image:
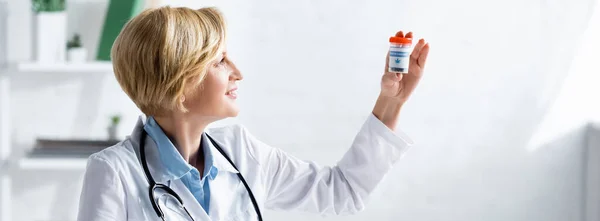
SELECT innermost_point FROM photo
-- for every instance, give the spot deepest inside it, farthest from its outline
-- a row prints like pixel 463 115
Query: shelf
pixel 53 163
pixel 87 67
pixel 62 154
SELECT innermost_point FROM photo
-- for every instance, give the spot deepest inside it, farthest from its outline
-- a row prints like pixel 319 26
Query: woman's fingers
pixel 417 50
pixel 390 78
pixel 409 35
pixel 423 55
pixel 400 34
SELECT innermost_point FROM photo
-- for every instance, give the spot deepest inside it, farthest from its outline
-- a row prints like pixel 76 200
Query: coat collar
pixel 157 167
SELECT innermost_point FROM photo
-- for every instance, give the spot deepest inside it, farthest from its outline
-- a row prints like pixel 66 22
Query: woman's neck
pixel 186 135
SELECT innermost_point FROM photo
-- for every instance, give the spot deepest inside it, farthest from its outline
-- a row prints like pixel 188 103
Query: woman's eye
pixel 221 62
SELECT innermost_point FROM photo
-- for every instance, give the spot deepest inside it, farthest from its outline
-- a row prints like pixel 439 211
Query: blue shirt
pixel 179 168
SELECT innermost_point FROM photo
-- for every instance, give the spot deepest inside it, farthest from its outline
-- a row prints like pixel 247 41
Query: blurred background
pixel 504 120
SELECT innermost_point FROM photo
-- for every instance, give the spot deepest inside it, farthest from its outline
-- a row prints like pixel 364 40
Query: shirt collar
pixel 176 166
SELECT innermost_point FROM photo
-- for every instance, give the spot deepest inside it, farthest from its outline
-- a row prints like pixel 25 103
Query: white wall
pixel 312 70
pixel 3 30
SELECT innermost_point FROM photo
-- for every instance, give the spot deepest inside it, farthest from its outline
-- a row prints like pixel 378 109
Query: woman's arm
pixel 102 197
pixel 292 183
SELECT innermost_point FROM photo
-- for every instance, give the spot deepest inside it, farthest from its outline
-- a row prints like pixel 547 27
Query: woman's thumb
pixel 392 77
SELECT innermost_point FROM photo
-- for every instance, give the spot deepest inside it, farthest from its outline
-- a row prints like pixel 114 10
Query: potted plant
pixel 114 125
pixel 75 51
pixel 50 30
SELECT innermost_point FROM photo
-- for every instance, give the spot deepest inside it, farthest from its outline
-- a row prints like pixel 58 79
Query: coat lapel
pixel 160 175
pixel 229 198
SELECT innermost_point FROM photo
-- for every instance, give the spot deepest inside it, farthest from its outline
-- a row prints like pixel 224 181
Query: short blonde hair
pixel 160 51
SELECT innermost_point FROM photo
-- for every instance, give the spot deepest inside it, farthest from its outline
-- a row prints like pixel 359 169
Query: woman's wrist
pixel 387 110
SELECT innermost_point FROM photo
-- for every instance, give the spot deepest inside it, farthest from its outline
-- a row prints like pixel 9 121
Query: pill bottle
pixel 400 49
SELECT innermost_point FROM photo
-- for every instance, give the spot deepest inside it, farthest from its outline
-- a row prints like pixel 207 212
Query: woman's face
pixel 215 97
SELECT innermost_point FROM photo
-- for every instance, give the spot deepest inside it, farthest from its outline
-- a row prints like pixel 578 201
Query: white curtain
pixel 578 101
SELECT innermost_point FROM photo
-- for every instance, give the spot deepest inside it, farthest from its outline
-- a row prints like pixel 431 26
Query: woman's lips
pixel 232 93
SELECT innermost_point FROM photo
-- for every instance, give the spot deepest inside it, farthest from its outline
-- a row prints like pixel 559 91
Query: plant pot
pixel 112 132
pixel 50 36
pixel 77 55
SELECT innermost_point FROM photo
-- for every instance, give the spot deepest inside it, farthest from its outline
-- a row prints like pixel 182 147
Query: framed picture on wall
pixel 117 14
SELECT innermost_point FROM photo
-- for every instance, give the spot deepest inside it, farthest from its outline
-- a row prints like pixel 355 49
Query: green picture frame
pixel 119 12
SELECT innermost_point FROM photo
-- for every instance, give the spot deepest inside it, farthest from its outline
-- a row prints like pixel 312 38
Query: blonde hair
pixel 161 51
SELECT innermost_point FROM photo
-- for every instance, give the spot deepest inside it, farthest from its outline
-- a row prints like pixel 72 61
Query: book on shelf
pixel 69 147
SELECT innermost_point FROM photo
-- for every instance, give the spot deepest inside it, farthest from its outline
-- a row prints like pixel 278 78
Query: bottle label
pixel 399 59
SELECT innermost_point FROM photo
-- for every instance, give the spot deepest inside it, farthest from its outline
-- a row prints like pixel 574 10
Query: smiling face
pixel 172 61
pixel 214 97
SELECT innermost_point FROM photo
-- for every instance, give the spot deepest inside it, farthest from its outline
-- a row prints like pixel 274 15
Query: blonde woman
pixel 173 64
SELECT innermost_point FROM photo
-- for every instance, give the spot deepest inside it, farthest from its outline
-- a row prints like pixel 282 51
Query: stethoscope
pixel 154 186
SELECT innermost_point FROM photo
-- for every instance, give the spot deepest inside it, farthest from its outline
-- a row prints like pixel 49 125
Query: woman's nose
pixel 235 73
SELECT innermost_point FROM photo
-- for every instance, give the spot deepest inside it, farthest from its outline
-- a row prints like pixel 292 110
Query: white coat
pixel 115 187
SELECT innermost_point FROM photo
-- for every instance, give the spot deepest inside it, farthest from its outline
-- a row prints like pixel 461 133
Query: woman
pixel 173 64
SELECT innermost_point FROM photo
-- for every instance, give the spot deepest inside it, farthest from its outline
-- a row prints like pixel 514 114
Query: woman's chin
pixel 233 111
